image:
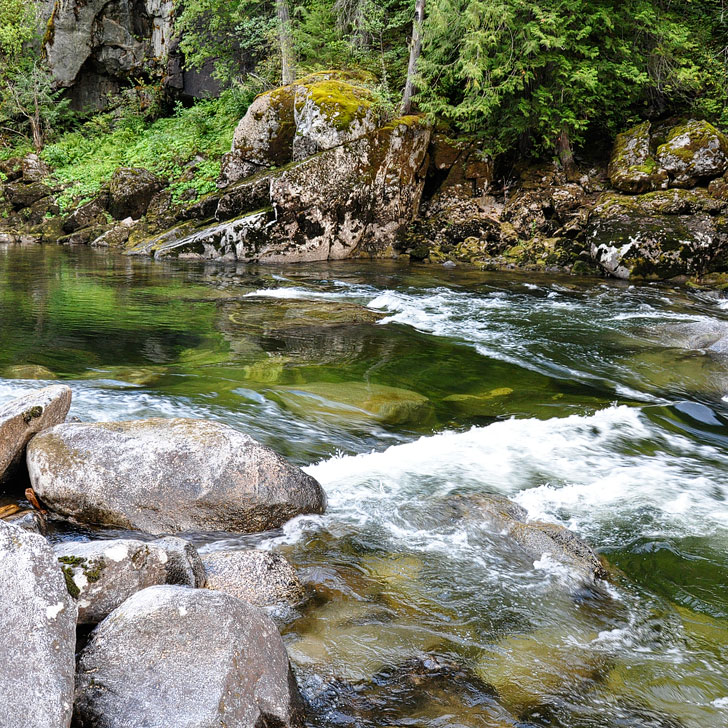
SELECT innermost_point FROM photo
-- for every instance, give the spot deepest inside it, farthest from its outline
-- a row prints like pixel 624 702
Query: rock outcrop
pixel 261 578
pixel 176 656
pixel 94 46
pixel 168 476
pixel 131 190
pixel 101 575
pixel 632 168
pixel 351 200
pixel 26 416
pixel 38 623
pixel 660 234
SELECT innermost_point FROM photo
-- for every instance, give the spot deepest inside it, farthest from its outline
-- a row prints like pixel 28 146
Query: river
pixel 602 406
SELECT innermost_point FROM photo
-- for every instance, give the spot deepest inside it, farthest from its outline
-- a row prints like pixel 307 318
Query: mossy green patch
pixel 340 102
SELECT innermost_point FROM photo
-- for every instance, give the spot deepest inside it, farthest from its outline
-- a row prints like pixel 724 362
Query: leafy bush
pixel 185 147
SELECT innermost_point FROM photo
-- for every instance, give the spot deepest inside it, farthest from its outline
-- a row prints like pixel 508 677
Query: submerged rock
pixel 535 537
pixel 358 401
pixel 101 575
pixel 176 656
pixel 167 476
pixel 24 417
pixel 38 624
pixel 260 578
pixel 28 371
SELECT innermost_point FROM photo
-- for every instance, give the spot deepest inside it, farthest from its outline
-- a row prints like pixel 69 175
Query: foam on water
pixel 585 472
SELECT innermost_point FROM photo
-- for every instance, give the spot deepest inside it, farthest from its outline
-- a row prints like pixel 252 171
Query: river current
pixel 601 406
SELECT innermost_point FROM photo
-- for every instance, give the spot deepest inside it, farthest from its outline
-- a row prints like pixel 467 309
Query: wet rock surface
pixel 38 622
pixel 260 578
pixel 168 476
pixel 22 418
pixel 220 662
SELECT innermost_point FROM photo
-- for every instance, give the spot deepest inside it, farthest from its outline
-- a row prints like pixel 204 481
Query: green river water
pixel 598 405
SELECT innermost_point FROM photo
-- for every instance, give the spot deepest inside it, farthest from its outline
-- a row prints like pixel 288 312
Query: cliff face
pixel 95 46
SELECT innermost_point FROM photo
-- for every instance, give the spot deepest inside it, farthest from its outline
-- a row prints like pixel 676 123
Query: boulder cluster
pixel 179 637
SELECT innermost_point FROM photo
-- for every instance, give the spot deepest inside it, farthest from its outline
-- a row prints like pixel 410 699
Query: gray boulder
pixel 659 235
pixel 25 416
pixel 38 624
pixel 131 189
pixel 101 575
pixel 167 476
pixel 190 658
pixel 260 578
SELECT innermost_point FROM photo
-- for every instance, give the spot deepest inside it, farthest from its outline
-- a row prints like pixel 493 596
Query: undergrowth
pixel 184 148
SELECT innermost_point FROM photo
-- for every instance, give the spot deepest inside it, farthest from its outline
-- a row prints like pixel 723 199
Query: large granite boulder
pixel 24 417
pixel 167 476
pixel 353 200
pixel 693 152
pixel 293 122
pixel 329 112
pixel 632 167
pixel 261 578
pixel 131 189
pixel 38 624
pixel 659 235
pixel 101 575
pixel 190 658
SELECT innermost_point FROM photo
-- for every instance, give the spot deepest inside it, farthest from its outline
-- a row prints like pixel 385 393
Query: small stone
pixel 260 578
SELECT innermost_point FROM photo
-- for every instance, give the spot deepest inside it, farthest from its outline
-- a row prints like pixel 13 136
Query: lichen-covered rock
pixel 168 476
pixel 264 136
pixel 25 416
pixel 19 194
pixel 35 169
pixel 261 578
pixel 131 189
pixel 329 113
pixel 293 122
pixel 659 235
pixel 632 167
pixel 38 624
pixel 692 152
pixel 186 657
pixel 101 575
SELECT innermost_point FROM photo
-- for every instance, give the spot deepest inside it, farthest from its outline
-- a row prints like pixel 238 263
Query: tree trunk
pixel 566 156
pixel 288 63
pixel 415 51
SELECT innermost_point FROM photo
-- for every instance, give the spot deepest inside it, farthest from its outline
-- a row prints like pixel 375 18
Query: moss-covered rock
pixel 692 152
pixel 632 168
pixel 131 189
pixel 291 123
pixel 659 235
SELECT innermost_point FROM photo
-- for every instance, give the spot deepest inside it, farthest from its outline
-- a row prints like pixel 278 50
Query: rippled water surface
pixel 599 406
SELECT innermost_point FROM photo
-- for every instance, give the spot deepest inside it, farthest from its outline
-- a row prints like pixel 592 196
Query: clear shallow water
pixel 595 405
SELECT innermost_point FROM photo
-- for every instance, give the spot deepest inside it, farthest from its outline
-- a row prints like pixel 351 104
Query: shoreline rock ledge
pixel 168 476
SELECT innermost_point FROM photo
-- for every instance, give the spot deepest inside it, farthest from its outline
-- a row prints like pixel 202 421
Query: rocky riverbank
pixel 316 173
pixel 177 635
